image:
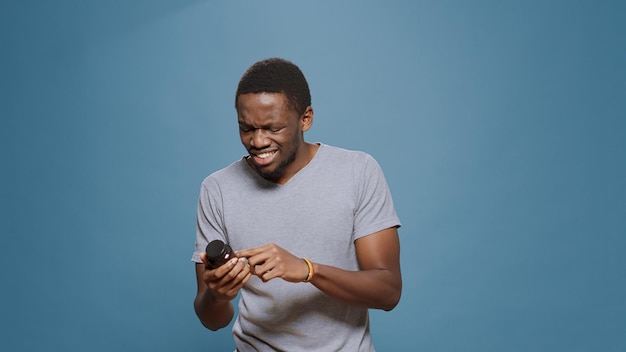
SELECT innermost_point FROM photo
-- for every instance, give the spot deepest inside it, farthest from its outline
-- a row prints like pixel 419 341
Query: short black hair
pixel 276 75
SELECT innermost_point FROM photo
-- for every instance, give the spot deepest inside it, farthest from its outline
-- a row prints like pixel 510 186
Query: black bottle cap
pixel 216 249
pixel 218 253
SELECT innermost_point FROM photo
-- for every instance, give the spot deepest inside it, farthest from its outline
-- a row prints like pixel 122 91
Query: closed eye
pixel 245 129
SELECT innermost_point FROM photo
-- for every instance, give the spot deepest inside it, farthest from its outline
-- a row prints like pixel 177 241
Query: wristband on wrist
pixel 311 271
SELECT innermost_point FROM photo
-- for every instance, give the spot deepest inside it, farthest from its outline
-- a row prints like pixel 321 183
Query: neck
pixel 304 157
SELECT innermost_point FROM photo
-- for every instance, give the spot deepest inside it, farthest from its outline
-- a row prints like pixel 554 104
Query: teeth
pixel 264 155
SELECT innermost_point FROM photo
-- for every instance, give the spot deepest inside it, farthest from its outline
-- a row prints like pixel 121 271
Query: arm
pixel 216 289
pixel 377 284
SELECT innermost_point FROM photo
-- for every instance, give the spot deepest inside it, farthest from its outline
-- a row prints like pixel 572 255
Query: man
pixel 313 226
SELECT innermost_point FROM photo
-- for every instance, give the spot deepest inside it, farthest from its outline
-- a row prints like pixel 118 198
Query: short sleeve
pixel 209 221
pixel 375 210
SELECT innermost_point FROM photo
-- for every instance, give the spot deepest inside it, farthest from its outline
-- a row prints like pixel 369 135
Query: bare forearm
pixel 214 315
pixel 376 288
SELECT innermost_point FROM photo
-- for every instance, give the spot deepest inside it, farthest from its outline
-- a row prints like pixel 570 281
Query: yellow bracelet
pixel 311 271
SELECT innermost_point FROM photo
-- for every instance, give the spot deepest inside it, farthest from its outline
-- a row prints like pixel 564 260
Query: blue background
pixel 499 124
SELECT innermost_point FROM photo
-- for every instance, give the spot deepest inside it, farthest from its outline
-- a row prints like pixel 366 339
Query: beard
pixel 279 171
pixel 275 174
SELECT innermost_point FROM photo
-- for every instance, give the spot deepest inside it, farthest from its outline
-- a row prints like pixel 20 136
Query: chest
pixel 307 221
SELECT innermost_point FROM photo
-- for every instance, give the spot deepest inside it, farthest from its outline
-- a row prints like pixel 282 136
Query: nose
pixel 259 139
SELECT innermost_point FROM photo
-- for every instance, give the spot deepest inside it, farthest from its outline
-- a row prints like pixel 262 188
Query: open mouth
pixel 264 158
pixel 265 155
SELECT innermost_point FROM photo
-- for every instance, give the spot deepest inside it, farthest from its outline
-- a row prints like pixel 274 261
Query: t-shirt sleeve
pixel 209 221
pixel 375 210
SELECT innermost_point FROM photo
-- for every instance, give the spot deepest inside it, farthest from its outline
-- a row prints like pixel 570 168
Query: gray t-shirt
pixel 338 197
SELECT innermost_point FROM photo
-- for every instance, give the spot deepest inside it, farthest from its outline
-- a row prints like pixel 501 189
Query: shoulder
pixel 231 174
pixel 344 166
pixel 344 156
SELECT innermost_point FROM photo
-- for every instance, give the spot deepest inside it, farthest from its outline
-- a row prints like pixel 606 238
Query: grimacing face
pixel 272 133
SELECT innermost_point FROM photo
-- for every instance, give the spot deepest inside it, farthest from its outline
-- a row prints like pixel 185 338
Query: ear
pixel 307 119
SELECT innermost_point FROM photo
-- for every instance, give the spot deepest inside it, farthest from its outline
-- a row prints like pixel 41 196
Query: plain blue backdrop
pixel 500 126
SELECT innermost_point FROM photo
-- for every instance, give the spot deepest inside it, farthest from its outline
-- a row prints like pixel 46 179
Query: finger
pixel 252 251
pixel 224 285
pixel 237 273
pixel 246 253
pixel 218 275
pixel 270 269
pixel 233 286
pixel 259 263
pixel 266 276
pixel 258 267
pixel 242 279
pixel 235 289
pixel 244 263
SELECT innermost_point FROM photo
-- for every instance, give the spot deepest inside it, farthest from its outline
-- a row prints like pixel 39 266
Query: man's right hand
pixel 225 281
